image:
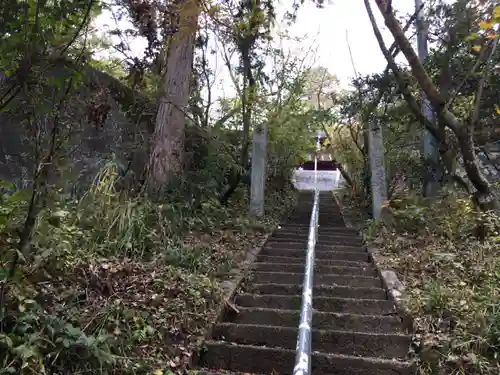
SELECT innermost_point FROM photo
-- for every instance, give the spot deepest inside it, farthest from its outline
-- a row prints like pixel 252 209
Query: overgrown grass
pixel 117 284
pixel 446 253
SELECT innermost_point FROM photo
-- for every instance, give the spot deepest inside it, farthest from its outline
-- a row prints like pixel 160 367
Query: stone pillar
pixel 377 169
pixel 258 174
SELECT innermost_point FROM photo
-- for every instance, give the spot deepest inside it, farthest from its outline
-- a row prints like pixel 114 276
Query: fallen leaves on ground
pixel 139 316
pixel 156 311
pixel 452 283
pixel 453 293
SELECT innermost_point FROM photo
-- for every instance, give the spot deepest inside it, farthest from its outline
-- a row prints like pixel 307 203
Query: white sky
pixel 326 29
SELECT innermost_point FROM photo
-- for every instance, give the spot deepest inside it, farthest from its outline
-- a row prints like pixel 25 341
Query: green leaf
pixel 6 340
pixel 24 351
pixel 8 370
pixel 66 343
pixel 473 36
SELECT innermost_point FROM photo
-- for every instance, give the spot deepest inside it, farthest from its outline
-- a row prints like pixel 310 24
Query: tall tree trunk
pixel 167 155
pixel 246 112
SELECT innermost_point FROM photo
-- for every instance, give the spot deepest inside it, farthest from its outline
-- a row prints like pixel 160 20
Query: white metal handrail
pixel 304 337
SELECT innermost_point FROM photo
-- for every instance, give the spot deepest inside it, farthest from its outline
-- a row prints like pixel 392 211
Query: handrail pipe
pixel 304 337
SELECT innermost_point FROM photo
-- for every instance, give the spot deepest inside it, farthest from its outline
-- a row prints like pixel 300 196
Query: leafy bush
pixel 111 278
pixel 416 214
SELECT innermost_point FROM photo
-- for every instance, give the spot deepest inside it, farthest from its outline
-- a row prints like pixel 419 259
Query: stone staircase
pixel 355 328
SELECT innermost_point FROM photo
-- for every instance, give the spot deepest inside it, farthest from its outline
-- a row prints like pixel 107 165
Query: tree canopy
pixel 122 168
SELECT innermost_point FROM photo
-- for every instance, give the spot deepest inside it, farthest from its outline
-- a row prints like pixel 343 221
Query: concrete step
pixel 321 237
pixel 204 371
pixel 306 213
pixel 318 291
pixel 320 245
pixel 293 244
pixel 352 240
pixel 365 270
pixel 307 210
pixel 328 206
pixel 325 304
pixel 303 216
pixel 304 229
pixel 264 360
pixel 355 327
pixel 355 256
pixel 301 206
pixel 322 320
pixel 325 341
pixel 307 207
pixel 323 212
pixel 303 236
pixel 301 260
pixel 319 279
pixel 321 221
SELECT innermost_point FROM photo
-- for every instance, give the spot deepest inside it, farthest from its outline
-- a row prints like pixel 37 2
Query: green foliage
pixel 78 305
pixel 41 26
pixel 112 281
pixel 443 248
pixel 445 251
pixel 33 339
pixel 113 66
pixel 418 215
pixel 12 205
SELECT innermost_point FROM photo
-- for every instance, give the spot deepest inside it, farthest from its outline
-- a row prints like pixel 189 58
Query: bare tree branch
pixel 462 132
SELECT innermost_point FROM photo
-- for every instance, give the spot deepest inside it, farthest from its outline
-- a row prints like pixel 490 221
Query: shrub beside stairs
pixel 355 327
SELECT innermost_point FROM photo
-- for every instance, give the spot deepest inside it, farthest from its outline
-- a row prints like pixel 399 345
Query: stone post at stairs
pixel 377 168
pixel 258 174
